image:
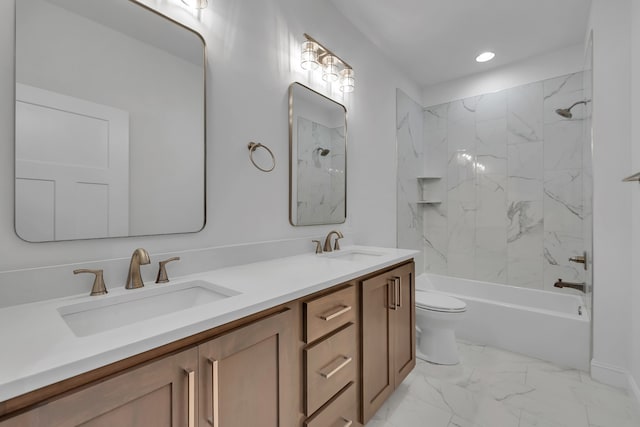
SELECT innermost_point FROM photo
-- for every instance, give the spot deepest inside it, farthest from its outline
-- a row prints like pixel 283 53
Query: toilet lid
pixel 439 302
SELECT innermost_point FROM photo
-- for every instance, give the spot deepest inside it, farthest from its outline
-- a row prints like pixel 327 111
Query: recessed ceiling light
pixel 485 56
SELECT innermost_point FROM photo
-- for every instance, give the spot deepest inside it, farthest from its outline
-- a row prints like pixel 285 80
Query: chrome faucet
pixel 327 241
pixel 139 257
pixel 578 286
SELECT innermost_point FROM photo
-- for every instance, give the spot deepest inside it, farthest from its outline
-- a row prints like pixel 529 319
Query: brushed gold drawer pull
pixel 345 361
pixel 191 385
pixel 214 393
pixel 393 305
pixel 347 423
pixel 342 309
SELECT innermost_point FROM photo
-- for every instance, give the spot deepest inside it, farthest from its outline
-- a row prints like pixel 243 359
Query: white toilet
pixel 437 316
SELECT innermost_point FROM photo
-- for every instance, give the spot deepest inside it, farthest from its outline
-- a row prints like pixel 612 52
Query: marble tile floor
pixel 496 388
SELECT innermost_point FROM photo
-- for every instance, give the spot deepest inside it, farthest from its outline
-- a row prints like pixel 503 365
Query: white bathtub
pixel 541 324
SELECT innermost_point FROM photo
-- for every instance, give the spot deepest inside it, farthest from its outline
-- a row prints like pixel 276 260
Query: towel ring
pixel 253 146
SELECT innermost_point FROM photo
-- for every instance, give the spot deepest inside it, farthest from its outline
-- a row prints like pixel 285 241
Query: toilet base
pixel 438 346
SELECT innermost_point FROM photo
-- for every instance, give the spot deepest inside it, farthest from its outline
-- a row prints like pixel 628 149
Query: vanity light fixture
pixel 485 57
pixel 196 4
pixel 334 68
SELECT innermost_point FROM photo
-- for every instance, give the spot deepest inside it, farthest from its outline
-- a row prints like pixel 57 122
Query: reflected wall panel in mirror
pixel 110 121
pixel 317 155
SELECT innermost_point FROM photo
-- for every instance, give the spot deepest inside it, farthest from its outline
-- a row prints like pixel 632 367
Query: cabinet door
pixel 161 393
pixel 404 330
pixel 377 341
pixel 245 375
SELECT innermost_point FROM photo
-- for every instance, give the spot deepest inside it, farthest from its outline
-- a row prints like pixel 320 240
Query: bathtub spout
pixel 579 286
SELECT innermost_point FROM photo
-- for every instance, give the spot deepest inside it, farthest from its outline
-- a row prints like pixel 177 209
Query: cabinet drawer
pixel 327 313
pixel 330 366
pixel 341 411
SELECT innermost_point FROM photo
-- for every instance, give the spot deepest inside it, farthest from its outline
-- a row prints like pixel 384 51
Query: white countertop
pixel 39 349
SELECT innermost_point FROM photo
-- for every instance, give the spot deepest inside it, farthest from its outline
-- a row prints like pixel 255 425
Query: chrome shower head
pixel 566 112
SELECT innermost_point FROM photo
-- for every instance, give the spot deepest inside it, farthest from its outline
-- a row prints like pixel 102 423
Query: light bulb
pixel 347 80
pixel 309 56
pixel 330 65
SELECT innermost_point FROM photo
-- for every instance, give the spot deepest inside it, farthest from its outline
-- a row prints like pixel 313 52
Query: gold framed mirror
pixel 110 121
pixel 317 158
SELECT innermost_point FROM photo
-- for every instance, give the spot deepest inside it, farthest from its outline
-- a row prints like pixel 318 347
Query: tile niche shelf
pixel 431 190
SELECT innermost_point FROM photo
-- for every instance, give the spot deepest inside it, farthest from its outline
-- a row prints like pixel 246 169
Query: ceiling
pixel 438 40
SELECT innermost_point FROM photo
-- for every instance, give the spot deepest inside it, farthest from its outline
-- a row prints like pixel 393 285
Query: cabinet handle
pixel 347 423
pixel 345 361
pixel 392 294
pixel 342 309
pixel 398 282
pixel 214 393
pixel 191 385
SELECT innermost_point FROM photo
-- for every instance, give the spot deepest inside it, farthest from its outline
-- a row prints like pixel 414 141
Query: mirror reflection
pixel 110 121
pixel 318 142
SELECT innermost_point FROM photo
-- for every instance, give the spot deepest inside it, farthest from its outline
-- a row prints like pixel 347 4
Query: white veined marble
pixel 515 183
pixel 409 138
pixel 321 179
pixel 495 388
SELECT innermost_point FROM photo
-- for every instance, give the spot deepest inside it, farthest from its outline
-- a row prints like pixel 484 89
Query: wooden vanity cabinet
pixel 388 335
pixel 161 393
pixel 247 368
pixel 245 375
pixel 331 358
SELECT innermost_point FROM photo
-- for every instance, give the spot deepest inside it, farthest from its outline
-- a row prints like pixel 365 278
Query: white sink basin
pixel 107 313
pixel 354 255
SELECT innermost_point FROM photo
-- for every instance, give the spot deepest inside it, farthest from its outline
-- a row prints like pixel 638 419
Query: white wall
pixel 253 56
pixel 553 64
pixel 635 199
pixel 612 215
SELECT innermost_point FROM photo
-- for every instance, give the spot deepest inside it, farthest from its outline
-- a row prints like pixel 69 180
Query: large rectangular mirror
pixel 110 121
pixel 318 158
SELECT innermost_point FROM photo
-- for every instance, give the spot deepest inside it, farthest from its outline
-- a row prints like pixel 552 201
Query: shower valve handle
pixel 580 259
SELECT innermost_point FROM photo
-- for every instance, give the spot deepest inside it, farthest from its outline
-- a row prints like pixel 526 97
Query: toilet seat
pixel 439 302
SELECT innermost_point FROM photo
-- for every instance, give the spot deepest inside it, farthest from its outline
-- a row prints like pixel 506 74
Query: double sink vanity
pixel 313 340
pixel 310 340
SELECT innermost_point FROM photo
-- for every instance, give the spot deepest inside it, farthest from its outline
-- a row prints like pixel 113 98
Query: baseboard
pixel 610 374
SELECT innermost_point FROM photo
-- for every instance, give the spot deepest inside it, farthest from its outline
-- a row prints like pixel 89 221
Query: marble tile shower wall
pixel 321 179
pixel 512 185
pixel 410 145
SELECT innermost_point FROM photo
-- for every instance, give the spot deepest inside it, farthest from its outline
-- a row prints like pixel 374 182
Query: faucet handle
pixel 99 288
pixel 318 246
pixel 162 270
pixel 336 245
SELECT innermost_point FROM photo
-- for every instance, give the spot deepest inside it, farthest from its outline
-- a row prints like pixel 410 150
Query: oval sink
pixel 354 255
pixel 107 313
